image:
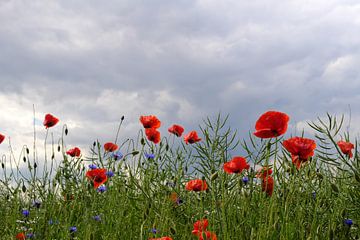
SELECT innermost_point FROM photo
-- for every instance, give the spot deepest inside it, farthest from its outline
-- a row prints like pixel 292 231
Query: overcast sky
pixel 90 62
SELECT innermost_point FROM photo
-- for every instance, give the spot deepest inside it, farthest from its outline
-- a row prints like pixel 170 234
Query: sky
pixel 91 62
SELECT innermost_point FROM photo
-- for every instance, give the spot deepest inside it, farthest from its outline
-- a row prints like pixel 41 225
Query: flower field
pixel 175 183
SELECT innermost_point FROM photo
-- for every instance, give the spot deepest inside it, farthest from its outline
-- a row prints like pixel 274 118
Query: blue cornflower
pixel 154 230
pixel 25 213
pixel 149 155
pixel 97 218
pixel 29 235
pixel 73 229
pixel 92 166
pixel 36 203
pixel 117 155
pixel 313 194
pixel 245 180
pixel 110 173
pixel 348 222
pixel 101 189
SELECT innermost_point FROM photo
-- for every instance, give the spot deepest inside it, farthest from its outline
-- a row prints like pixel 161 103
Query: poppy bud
pixel 334 188
pixel 58 148
pixel 35 165
pixel 2 165
pixel 142 141
pixel 94 144
pixel 23 188
pixel 24 159
pixel 27 151
pixel 66 131
pixel 167 147
pixel 172 230
pixel 122 118
pixel 53 156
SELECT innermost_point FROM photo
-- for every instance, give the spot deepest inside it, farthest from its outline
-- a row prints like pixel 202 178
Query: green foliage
pixel 149 193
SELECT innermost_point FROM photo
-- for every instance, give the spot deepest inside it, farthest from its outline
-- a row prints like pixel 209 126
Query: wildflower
pixel 25 213
pixel 73 229
pixel 177 130
pixel 97 176
pixel 101 189
pixel 205 235
pixel 348 222
pixel 74 152
pixel 201 225
pixel 152 135
pixel 2 138
pixel 267 185
pixel 271 124
pixel 29 235
pixel 191 137
pixel 110 147
pixel 97 218
pixel 245 180
pixel 92 166
pixel 36 203
pixel 196 185
pixel 149 155
pixel 264 172
pixel 162 238
pixel 236 165
pixel 175 198
pixel 150 121
pixel 110 173
pixel 313 195
pixel 301 149
pixel 117 155
pixel 154 230
pixel 20 236
pixel 346 148
pixel 50 121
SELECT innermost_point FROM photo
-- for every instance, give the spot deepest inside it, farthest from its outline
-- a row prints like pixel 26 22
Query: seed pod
pixel 357 177
pixel 66 131
pixel 2 165
pixel 135 153
pixel 142 141
pixel 35 165
pixel 27 151
pixel 23 188
pixel 214 176
pixel 167 147
pixel 24 159
pixel 334 188
pixel 122 118
pixel 59 148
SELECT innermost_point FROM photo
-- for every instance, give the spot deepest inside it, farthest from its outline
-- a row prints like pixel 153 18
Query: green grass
pixel 137 199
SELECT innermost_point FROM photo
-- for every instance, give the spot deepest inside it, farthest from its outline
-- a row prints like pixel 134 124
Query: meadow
pixel 204 184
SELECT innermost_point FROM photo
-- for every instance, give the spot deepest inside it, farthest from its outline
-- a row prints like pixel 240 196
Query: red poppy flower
pixel 345 147
pixel 50 120
pixel 264 172
pixel 152 135
pixel 267 185
pixel 176 129
pixel 196 185
pixel 162 238
pixel 110 147
pixel 204 235
pixel 20 236
pixel 97 176
pixel 2 138
pixel 236 165
pixel 271 124
pixel 201 225
pixel 74 152
pixel 150 121
pixel 192 137
pixel 300 148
